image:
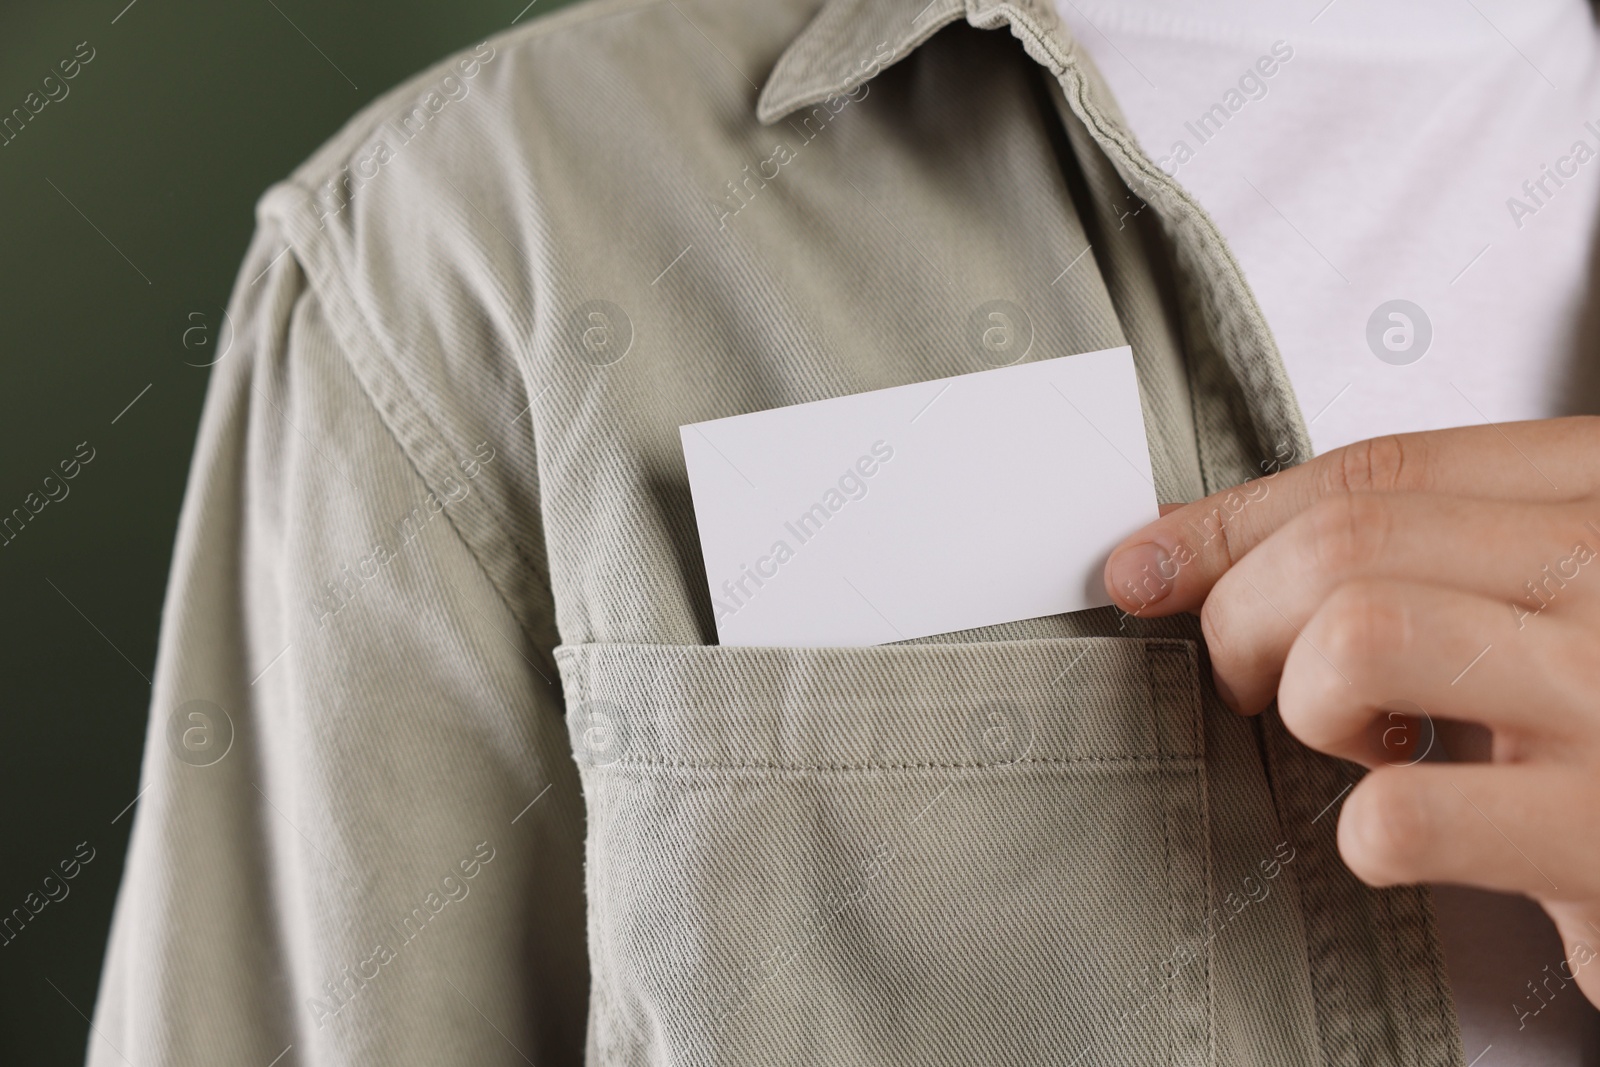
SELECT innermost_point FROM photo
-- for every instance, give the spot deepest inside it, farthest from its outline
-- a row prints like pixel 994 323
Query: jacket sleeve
pixel 359 833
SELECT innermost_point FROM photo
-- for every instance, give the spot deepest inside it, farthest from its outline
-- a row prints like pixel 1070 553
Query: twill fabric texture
pixel 491 794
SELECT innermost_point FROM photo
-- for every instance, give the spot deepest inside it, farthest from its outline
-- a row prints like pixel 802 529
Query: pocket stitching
pixel 1054 761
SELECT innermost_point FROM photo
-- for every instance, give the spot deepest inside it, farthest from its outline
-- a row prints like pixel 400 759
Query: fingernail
pixel 1136 574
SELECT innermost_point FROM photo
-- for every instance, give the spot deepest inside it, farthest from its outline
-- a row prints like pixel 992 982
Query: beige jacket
pixel 443 765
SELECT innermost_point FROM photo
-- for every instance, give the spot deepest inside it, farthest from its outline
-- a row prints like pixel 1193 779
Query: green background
pixel 157 155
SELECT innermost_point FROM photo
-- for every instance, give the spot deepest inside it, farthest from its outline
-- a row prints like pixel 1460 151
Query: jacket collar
pixel 850 41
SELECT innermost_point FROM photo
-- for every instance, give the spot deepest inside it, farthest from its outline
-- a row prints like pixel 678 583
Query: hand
pixel 1456 572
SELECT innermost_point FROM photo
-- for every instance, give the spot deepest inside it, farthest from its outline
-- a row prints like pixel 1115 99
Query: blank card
pixel 921 509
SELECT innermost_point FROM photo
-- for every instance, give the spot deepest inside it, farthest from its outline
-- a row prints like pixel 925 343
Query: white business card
pixel 921 509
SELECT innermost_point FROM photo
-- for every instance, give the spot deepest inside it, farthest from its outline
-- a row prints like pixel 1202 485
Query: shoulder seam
pixel 474 520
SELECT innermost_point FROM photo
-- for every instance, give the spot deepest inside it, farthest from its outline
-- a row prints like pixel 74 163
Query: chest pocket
pixel 937 853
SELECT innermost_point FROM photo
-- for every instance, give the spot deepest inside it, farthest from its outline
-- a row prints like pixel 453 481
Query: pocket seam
pixel 722 739
pixel 1063 761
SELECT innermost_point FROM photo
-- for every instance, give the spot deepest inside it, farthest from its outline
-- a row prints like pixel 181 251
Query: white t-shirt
pixel 1427 151
pixel 1411 190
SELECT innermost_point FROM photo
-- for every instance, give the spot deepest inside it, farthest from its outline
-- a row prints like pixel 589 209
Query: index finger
pixel 1171 565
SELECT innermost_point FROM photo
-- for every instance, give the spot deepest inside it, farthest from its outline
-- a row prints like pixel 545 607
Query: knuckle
pixel 1348 532
pixel 1377 465
pixel 1387 829
pixel 1216 628
pixel 1360 622
pixel 1305 693
pixel 1225 625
